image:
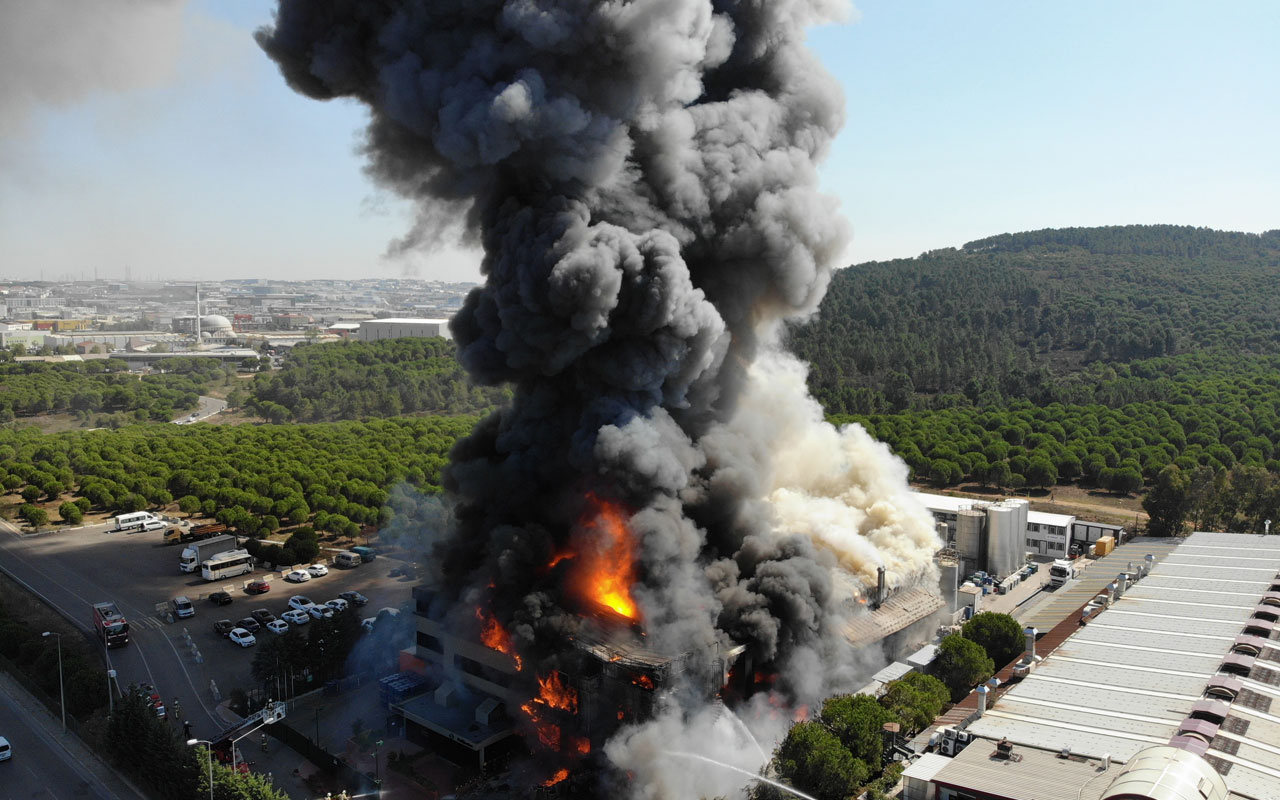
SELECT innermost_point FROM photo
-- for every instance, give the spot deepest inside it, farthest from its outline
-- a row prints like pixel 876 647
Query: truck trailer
pixel 196 534
pixel 197 553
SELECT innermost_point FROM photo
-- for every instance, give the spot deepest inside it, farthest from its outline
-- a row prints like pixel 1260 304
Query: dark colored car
pixel 220 599
pixel 354 598
pixel 249 624
pixel 262 616
pixel 223 626
pixel 258 587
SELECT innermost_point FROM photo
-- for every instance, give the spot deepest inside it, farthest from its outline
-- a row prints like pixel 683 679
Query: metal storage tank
pixel 970 524
pixel 1004 554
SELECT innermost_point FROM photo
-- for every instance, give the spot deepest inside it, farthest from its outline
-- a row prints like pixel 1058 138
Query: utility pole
pixel 62 695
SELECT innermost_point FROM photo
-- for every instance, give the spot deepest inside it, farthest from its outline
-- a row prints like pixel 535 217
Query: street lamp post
pixel 377 769
pixel 209 753
pixel 111 695
pixel 62 695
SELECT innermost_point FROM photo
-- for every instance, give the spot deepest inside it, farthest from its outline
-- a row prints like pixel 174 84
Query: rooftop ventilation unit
pixel 1259 627
pixel 1271 599
pixel 1214 711
pixel 1248 645
pixel 1237 664
pixel 1223 686
pixel 1200 728
pixel 1269 613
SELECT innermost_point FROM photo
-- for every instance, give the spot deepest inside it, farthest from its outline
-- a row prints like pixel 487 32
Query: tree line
pixel 105 385
pixel 335 476
pixel 358 380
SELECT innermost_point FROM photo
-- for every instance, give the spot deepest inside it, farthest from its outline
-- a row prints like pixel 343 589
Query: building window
pixel 429 642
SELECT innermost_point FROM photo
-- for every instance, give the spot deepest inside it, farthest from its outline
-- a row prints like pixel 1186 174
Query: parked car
pixel 262 616
pixel 148 692
pixel 354 598
pixel 337 604
pixel 242 637
pixel 300 602
pixel 182 607
pixel 318 570
pixel 258 587
pixel 319 611
pixel 5 750
pixel 364 552
pixel 278 625
pixel 220 599
pixel 298 576
pixel 295 617
pixel 223 626
pixel 249 624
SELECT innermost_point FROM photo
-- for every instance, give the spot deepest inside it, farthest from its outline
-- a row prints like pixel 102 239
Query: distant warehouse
pixel 395 328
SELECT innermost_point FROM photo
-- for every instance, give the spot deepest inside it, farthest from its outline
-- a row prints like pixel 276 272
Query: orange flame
pixel 644 682
pixel 553 692
pixel 607 569
pixel 582 746
pixel 560 775
pixel 495 636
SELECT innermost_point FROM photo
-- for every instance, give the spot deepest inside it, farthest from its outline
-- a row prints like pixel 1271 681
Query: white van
pixel 153 525
pixel 347 559
pixel 136 521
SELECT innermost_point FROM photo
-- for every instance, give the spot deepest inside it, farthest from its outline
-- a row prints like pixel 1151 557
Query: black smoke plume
pixel 641 175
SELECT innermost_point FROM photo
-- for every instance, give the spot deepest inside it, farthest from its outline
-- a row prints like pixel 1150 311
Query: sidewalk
pixel 111 782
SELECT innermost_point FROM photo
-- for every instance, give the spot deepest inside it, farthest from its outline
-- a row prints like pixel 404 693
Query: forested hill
pixel 1007 316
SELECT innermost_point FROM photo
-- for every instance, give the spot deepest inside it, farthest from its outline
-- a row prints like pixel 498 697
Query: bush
pixel 35 516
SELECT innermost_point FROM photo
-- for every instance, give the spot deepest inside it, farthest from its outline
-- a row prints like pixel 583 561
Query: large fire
pixel 554 693
pixel 495 636
pixel 605 568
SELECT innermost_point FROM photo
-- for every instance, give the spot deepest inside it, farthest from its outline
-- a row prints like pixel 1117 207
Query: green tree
pixel 35 516
pixel 189 504
pixel 857 720
pixel 1041 472
pixel 1168 502
pixel 961 665
pixel 915 700
pixel 31 493
pixel 70 513
pixel 999 635
pixel 812 759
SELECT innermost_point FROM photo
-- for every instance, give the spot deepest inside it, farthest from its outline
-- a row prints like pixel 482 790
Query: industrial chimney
pixel 880 591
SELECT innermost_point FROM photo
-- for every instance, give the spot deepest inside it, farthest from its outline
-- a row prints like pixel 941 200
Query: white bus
pixel 136 521
pixel 227 565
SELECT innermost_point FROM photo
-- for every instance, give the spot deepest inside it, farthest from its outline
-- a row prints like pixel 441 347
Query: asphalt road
pixel 73 569
pixel 207 407
pixel 39 768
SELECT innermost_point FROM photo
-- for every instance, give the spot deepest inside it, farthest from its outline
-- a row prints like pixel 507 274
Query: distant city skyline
pixel 157 138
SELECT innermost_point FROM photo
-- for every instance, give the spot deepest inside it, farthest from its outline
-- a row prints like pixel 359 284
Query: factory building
pixel 395 328
pixel 1165 686
pixel 996 537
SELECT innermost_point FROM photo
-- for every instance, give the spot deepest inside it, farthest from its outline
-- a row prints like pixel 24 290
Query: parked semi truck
pixel 196 534
pixel 1061 572
pixel 199 552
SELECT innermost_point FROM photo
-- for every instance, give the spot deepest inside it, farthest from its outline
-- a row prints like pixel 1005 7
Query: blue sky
pixel 963 121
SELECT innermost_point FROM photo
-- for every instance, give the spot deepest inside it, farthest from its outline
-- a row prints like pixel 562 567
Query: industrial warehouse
pixel 1162 686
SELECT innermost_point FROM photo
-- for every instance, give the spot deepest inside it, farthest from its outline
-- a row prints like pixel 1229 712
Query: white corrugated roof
pixel 1127 680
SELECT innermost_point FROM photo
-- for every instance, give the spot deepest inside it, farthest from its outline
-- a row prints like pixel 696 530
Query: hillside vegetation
pixel 357 380
pixel 1100 356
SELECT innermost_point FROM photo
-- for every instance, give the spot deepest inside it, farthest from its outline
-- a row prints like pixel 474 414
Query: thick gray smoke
pixel 641 174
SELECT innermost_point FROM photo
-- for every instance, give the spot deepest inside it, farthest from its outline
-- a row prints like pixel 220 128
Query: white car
pixel 318 570
pixel 300 602
pixel 295 617
pixel 337 604
pixel 298 576
pixel 279 625
pixel 320 612
pixel 242 637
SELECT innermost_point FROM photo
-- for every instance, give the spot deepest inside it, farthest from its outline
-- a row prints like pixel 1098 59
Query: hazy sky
pixel 157 136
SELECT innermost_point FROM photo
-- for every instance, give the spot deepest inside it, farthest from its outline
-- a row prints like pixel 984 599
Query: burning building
pixel 662 497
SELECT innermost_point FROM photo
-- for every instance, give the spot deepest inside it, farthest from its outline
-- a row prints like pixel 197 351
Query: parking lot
pixel 74 569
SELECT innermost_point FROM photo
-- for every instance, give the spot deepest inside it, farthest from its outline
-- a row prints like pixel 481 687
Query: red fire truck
pixel 110 624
